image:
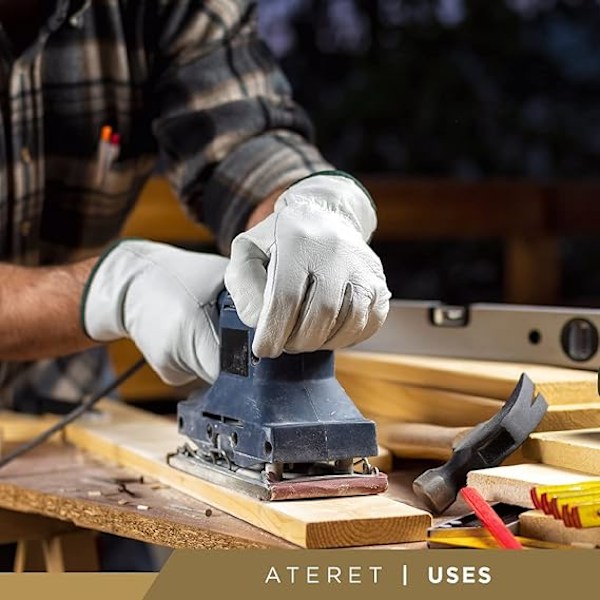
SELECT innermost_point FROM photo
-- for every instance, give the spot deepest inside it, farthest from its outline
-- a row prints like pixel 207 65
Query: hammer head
pixel 433 489
pixel 487 445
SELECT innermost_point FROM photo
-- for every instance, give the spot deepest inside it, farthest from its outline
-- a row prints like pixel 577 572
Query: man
pixel 192 81
pixel 189 80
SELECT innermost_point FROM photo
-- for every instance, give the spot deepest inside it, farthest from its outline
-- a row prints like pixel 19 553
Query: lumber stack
pixel 578 449
pixel 457 394
pixel 424 406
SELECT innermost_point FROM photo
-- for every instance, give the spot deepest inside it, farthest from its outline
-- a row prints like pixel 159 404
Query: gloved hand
pixel 164 299
pixel 305 277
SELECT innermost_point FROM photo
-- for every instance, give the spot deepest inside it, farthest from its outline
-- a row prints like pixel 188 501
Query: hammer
pixel 486 445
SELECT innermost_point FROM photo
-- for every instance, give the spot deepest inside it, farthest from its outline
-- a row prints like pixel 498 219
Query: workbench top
pixel 65 483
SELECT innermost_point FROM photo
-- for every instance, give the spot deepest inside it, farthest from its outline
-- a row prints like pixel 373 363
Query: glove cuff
pixel 335 191
pixel 101 309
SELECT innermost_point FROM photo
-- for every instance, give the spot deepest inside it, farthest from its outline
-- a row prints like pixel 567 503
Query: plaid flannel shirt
pixel 187 79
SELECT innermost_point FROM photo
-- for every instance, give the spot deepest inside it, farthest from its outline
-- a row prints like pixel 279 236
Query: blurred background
pixel 475 124
pixel 467 91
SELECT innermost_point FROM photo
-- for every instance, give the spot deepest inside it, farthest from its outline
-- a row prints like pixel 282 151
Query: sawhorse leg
pixel 45 544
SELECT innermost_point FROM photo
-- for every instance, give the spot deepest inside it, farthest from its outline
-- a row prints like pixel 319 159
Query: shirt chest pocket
pixel 73 128
pixel 89 193
pixel 83 173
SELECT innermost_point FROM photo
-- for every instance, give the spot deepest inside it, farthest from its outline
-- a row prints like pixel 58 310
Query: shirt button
pixel 25 228
pixel 76 21
pixel 25 155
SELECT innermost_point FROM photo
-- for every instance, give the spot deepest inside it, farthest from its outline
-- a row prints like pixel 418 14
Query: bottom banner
pixel 348 574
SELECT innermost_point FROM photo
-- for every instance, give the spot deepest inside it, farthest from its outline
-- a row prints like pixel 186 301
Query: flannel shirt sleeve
pixel 227 125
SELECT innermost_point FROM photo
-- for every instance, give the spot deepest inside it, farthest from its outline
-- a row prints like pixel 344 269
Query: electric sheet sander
pixel 277 429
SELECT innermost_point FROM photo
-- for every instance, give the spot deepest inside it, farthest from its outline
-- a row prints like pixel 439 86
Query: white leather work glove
pixel 164 299
pixel 305 277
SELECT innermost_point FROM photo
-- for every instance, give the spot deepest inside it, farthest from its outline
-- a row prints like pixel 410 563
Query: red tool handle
pixel 492 522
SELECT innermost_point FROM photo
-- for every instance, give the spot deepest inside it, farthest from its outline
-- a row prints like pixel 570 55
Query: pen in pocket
pixel 108 151
pixel 114 149
pixel 102 153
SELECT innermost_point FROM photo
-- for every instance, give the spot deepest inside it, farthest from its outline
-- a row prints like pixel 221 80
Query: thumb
pixel 246 278
pixel 206 345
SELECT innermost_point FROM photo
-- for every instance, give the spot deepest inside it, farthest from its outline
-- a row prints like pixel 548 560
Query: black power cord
pixel 81 408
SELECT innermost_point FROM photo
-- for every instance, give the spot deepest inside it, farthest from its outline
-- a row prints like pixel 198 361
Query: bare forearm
pixel 39 310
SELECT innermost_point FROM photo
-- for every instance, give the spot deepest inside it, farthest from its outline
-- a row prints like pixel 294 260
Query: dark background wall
pixel 469 89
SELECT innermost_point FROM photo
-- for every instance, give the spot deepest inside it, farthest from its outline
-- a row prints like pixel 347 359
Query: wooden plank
pixel 426 441
pixel 57 480
pixel 512 484
pixel 392 402
pixel 571 416
pixel 140 441
pixel 384 400
pixel 578 449
pixel 478 378
pixel 535 524
pixel 19 427
pixel 388 401
pixel 420 440
pixel 26 426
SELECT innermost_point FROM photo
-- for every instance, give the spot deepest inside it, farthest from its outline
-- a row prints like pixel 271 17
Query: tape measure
pixel 577 505
pixel 487 542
